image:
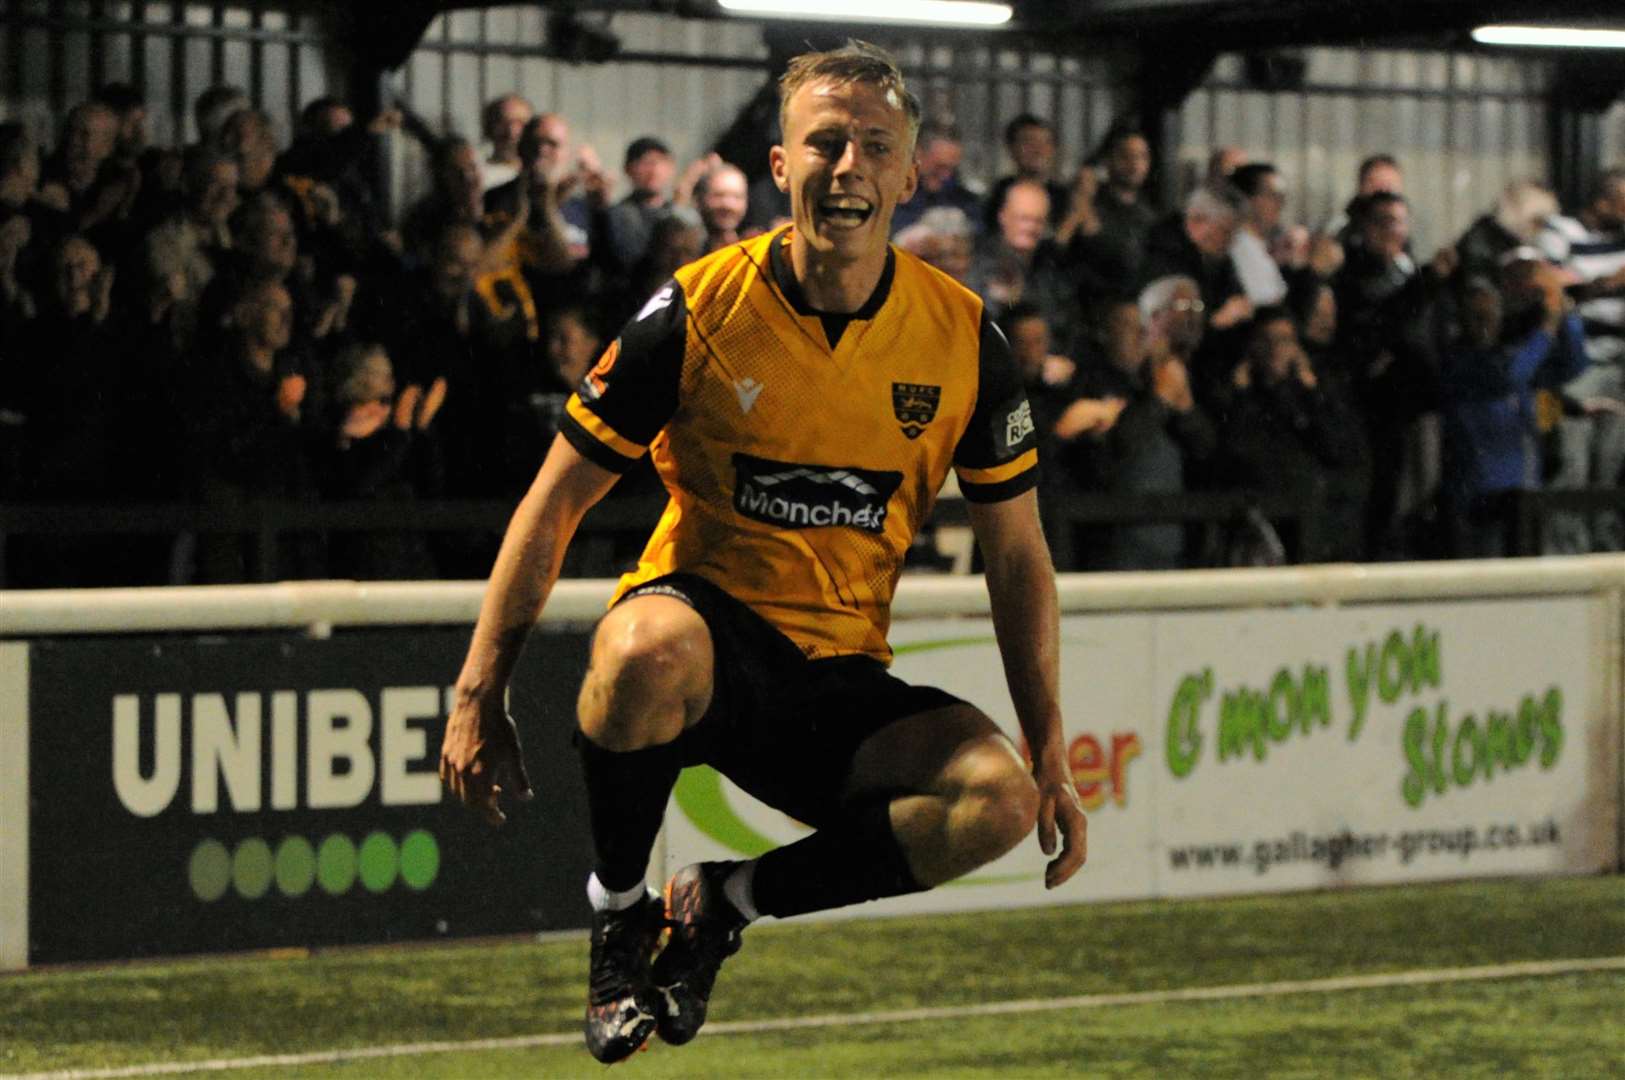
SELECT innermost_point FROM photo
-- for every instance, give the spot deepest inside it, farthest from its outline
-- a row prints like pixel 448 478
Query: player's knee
pixel 651 665
pixel 1003 804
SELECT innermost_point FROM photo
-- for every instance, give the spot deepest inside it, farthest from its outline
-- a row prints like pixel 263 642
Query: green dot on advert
pixel 335 864
pixel 209 871
pixel 251 868
pixel 420 859
pixel 379 861
pixel 295 866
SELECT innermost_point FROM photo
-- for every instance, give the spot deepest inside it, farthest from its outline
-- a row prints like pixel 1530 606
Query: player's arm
pixel 997 463
pixel 607 426
pixel 1026 621
pixel 480 756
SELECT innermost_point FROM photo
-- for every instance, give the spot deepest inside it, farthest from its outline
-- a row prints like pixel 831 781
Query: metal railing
pixel 605 533
pixel 615 523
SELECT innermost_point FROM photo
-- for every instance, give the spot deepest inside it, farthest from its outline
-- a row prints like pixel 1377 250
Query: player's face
pixel 846 162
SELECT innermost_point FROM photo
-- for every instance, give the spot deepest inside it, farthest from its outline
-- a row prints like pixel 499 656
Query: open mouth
pixel 845 211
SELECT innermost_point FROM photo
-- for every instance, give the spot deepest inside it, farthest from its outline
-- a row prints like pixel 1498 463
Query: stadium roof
pixel 1221 24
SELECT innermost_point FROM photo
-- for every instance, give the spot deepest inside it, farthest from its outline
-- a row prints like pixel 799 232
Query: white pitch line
pixel 1425 977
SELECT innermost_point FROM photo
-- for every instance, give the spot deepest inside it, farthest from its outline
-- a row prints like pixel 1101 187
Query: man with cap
pixel 629 224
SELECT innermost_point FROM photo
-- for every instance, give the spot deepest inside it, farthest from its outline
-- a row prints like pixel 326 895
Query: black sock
pixel 626 800
pixel 852 860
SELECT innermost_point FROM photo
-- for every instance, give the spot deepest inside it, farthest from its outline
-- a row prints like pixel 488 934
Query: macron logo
pixel 656 302
pixel 748 390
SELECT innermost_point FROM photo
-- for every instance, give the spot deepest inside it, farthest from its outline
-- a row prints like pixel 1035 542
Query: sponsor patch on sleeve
pixel 1018 424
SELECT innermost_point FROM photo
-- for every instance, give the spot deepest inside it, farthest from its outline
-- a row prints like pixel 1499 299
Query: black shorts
pixel 781 726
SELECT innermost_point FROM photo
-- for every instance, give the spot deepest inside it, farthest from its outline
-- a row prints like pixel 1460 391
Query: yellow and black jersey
pixel 803 450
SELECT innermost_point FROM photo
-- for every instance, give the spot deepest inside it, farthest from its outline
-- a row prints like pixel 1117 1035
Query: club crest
pixel 915 405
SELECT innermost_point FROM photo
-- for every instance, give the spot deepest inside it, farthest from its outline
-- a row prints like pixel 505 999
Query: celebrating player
pixel 803 395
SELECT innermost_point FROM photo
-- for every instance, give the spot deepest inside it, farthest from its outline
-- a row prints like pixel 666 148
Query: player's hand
pixel 480 758
pixel 1060 812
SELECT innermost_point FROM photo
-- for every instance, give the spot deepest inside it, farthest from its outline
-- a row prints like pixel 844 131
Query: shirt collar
pixel 785 276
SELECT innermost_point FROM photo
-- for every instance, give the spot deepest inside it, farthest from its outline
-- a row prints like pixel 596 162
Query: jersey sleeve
pixel 630 394
pixel 997 456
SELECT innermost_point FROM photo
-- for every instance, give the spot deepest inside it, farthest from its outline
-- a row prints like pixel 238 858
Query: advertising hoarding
pixel 1106 679
pixel 243 792
pixel 1276 749
pixel 1313 748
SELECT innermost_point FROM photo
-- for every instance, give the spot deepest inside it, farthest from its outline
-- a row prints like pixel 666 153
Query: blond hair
pixel 854 62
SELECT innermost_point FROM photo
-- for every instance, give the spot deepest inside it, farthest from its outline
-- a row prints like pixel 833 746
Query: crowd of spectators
pixel 235 321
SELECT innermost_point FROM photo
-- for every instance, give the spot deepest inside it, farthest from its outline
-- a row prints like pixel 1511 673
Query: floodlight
pixel 927 12
pixel 1550 37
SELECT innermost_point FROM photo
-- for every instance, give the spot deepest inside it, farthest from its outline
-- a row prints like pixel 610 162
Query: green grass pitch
pixel 1557 1026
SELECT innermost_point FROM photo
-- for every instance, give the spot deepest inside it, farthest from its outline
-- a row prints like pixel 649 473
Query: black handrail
pixel 614 520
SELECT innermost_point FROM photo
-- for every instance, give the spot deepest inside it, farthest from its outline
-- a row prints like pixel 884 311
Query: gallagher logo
pixel 915 405
pixel 796 496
